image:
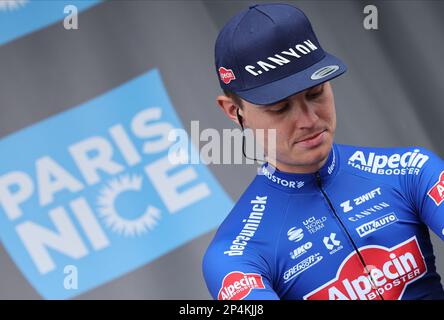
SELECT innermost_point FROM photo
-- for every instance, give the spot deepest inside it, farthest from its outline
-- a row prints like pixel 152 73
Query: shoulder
pixel 249 226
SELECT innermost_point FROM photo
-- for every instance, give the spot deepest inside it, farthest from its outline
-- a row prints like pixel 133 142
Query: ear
pixel 228 107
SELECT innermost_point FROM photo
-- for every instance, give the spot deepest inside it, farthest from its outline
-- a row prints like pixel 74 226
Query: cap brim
pixel 288 86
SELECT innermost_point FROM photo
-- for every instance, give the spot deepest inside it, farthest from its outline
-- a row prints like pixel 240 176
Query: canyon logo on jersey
pixel 391 271
pixel 237 285
pixel 437 191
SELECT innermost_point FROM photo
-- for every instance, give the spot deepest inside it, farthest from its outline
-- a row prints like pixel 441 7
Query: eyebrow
pixel 286 99
pixel 275 103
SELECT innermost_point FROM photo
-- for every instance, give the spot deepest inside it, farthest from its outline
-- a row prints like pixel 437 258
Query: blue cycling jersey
pixel 356 229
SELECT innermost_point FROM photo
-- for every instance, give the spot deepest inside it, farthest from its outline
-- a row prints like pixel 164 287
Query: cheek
pixel 284 137
pixel 254 120
pixel 333 117
pixel 330 109
pixel 334 121
pixel 327 112
pixel 275 139
pixel 280 130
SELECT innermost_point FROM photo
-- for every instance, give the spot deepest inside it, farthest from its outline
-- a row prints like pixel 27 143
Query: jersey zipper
pixel 361 258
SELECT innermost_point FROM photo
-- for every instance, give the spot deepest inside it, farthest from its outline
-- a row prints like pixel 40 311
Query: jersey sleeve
pixel 242 277
pixel 428 193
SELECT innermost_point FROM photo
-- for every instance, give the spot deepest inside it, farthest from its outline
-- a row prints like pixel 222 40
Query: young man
pixel 321 220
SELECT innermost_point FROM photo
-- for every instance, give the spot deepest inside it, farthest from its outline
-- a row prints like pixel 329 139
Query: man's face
pixel 305 124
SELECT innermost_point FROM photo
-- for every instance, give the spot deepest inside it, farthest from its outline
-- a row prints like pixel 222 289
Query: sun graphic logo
pixel 113 220
pixel 12 4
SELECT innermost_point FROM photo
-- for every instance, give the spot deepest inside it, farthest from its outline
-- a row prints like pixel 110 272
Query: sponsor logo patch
pixel 392 270
pixel 302 266
pixel 237 285
pixel 226 75
pixel 436 193
pixel 313 225
pixel 332 244
pixel 249 228
pixel 346 206
pixel 393 164
pixel 296 253
pixel 295 235
pixel 376 224
pixel 283 182
pixel 369 211
pixel 298 51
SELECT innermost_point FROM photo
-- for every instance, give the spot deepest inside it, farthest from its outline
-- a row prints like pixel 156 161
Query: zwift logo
pixel 346 206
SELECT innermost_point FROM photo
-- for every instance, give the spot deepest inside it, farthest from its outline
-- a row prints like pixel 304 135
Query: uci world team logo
pixel 93 188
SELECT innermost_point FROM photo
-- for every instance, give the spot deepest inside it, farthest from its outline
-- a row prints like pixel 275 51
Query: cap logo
pixel 323 72
pixel 226 75
pixel 282 58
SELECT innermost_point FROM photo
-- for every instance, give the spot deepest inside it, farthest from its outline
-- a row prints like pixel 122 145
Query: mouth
pixel 313 140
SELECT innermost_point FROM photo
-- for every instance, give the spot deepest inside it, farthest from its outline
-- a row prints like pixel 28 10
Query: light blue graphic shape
pixel 32 15
pixel 52 138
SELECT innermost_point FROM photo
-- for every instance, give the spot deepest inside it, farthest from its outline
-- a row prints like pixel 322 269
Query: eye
pixel 315 93
pixel 282 109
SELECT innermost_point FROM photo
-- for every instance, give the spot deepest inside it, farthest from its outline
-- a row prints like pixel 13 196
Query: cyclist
pixel 321 220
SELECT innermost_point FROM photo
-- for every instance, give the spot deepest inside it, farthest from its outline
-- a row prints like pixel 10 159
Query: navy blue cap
pixel 269 52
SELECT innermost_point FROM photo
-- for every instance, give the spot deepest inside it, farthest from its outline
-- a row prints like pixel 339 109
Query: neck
pixel 291 168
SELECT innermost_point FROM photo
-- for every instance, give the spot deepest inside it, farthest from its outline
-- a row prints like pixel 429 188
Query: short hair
pixel 237 100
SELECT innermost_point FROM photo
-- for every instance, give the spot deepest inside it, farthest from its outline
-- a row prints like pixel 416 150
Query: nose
pixel 305 115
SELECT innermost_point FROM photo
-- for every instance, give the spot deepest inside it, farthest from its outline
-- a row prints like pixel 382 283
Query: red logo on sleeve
pixel 226 75
pixel 237 285
pixel 437 191
pixel 391 271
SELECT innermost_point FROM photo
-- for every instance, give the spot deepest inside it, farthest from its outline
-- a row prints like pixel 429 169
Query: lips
pixel 312 141
pixel 311 136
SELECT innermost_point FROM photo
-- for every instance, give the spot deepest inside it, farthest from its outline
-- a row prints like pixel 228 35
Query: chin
pixel 324 149
pixel 302 157
pixel 316 156
pixel 308 157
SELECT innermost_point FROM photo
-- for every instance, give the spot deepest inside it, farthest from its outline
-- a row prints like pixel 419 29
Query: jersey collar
pixel 301 182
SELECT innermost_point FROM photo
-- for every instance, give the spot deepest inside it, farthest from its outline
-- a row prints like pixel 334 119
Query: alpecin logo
pixel 393 269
